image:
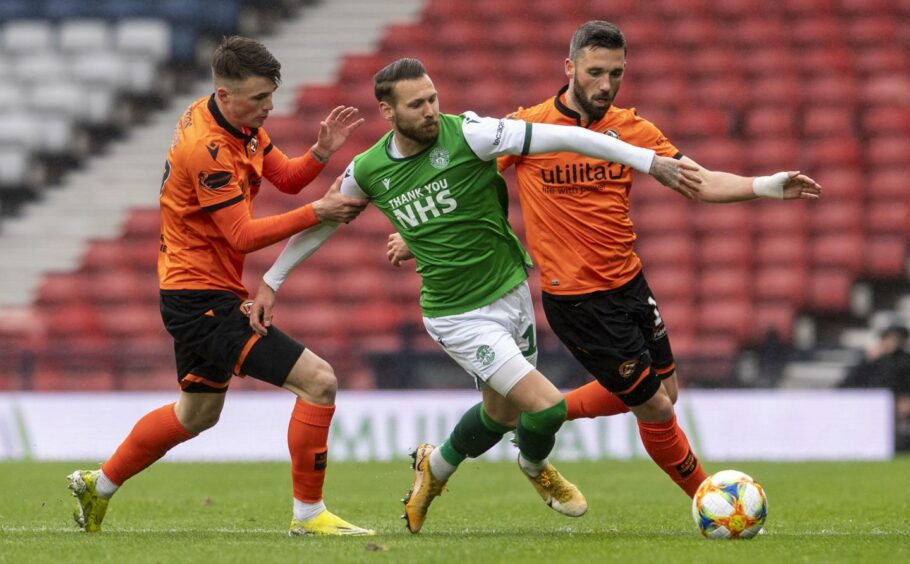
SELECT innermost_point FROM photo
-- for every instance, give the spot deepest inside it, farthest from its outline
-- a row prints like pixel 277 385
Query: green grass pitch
pixel 818 512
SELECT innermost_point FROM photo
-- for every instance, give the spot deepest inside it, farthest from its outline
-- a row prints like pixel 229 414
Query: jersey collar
pixel 569 112
pixel 220 120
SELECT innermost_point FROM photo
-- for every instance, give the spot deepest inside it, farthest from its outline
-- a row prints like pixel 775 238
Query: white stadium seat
pixel 77 36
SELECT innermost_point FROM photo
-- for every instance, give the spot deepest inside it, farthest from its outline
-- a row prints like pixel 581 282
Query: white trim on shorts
pixel 492 342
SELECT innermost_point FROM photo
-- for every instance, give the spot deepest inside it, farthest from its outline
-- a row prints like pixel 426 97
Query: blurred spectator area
pixel 77 73
pixel 821 86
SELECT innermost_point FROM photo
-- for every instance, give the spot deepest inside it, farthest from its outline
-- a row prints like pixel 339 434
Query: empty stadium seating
pixel 821 86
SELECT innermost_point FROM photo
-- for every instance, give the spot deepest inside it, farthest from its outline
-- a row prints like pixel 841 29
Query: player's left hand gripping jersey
pixel 449 203
pixel 210 165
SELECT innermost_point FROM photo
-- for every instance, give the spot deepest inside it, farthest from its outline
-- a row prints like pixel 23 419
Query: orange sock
pixel 308 439
pixel 668 446
pixel 593 400
pixel 156 433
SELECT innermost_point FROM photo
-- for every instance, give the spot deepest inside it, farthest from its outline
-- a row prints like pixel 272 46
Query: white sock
pixel 532 469
pixel 440 468
pixel 105 487
pixel 304 511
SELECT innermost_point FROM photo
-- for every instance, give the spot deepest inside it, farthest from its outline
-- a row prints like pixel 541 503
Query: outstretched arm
pixel 490 138
pixel 723 187
pixel 300 247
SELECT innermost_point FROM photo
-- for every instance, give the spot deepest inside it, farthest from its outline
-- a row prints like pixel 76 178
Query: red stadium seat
pixel 679 318
pixel 886 91
pixel 827 121
pixel 58 288
pixel 839 151
pixel 887 120
pixel 771 154
pixel 841 184
pixel 829 290
pixel 873 29
pixel 721 92
pixel 782 249
pixel 890 184
pixel 725 316
pixel 770 121
pixel 697 123
pixel 831 90
pixel 776 317
pixel 717 154
pixel 781 218
pixel 764 58
pixel 673 283
pixel 730 282
pixel 717 219
pixel 888 218
pixel 808 8
pixel 814 31
pixel 837 216
pixel 143 223
pixel 887 151
pixel 780 283
pixel 843 250
pixel 886 256
pixel 725 249
pixel 667 217
pixel 666 251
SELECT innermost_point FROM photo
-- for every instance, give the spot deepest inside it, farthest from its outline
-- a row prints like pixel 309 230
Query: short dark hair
pixel 900 332
pixel 238 58
pixel 596 33
pixel 403 69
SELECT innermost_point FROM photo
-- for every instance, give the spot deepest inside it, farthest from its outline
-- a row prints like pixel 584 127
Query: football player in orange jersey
pixel 595 296
pixel 213 171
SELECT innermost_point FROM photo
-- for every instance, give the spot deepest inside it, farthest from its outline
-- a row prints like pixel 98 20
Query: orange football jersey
pixel 576 208
pixel 210 165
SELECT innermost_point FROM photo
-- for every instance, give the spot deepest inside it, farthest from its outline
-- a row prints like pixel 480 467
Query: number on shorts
pixel 529 337
pixel 657 320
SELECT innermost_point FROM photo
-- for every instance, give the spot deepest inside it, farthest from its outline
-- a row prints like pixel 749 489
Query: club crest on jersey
pixel 253 145
pixel 387 182
pixel 214 180
pixel 485 355
pixel 627 368
pixel 612 133
pixel 439 158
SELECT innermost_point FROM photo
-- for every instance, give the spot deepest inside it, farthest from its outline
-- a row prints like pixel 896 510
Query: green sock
pixel 536 433
pixel 474 435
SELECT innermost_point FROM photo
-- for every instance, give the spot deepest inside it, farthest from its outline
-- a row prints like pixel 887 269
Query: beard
pixel 420 133
pixel 587 106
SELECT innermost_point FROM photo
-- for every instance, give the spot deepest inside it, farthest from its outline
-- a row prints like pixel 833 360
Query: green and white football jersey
pixel 447 203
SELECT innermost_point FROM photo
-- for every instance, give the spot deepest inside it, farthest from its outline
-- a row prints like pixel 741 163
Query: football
pixel 729 505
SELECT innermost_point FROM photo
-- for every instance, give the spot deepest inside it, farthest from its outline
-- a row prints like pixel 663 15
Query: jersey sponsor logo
pixel 422 204
pixel 213 150
pixel 214 180
pixel 627 368
pixel 485 355
pixel 387 182
pixel 499 130
pixel 575 173
pixel 439 158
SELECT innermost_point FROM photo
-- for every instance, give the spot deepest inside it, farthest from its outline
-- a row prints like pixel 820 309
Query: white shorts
pixel 496 343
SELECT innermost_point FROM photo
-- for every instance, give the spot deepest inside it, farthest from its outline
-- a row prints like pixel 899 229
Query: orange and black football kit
pixel 576 212
pixel 213 172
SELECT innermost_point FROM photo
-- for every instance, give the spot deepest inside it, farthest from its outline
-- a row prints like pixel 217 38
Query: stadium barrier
pixel 386 425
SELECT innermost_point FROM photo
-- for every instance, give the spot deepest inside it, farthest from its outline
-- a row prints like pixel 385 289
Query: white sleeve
pixel 308 241
pixel 548 138
pixel 491 137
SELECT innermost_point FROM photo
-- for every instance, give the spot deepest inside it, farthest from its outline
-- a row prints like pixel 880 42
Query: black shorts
pixel 617 335
pixel 213 340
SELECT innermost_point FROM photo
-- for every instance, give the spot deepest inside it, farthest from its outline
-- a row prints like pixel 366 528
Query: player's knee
pixel 546 421
pixel 658 408
pixel 201 420
pixel 321 383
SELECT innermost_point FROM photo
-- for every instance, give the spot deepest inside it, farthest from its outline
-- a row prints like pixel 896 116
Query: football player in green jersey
pixel 434 175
